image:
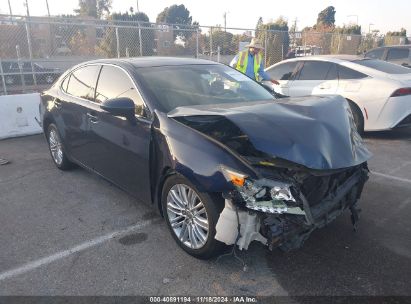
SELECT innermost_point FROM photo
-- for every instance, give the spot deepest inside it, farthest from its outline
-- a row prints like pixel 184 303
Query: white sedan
pixel 379 92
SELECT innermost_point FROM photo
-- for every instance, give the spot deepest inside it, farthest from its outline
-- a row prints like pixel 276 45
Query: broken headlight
pixel 281 191
pixel 270 196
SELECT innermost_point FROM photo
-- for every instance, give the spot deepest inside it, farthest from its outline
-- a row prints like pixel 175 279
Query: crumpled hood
pixel 313 131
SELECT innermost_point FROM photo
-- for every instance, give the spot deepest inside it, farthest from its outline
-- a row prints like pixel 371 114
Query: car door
pixel 315 78
pixel 76 101
pixel 400 56
pixel 121 151
pixel 283 73
pixel 349 81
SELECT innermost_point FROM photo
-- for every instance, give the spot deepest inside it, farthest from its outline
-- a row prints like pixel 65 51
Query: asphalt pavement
pixel 73 233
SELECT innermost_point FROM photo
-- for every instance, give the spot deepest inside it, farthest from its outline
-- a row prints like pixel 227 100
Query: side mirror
pixel 269 87
pixel 122 106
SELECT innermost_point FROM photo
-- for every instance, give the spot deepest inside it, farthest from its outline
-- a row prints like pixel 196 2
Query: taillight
pixel 401 92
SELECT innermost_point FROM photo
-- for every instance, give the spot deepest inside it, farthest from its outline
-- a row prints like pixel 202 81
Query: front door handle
pixel 324 86
pixel 92 118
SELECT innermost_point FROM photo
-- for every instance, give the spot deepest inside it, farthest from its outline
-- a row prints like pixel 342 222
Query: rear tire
pixel 56 148
pixel 191 217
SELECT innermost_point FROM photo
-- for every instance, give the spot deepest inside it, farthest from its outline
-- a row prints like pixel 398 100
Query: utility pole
pixel 48 9
pixel 138 10
pixel 295 24
pixel 27 8
pixel 225 21
pixel 294 34
pixel 11 13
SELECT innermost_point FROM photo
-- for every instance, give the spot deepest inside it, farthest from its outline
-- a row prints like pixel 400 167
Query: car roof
pixel 337 57
pixel 401 46
pixel 154 61
pixel 331 58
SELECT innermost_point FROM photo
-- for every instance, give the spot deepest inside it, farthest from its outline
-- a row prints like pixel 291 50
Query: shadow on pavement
pixel 400 133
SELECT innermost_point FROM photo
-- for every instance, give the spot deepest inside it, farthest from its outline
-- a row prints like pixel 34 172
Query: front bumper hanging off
pixel 288 230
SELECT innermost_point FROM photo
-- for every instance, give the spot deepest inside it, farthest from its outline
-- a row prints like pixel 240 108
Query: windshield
pixel 383 66
pixel 188 85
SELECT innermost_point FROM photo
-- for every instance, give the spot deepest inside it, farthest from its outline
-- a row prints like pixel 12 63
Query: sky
pixel 382 15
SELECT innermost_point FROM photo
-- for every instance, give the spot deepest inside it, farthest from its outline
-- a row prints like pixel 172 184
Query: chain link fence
pixel 35 51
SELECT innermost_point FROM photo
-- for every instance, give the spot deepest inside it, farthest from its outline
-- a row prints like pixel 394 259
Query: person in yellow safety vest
pixel 250 62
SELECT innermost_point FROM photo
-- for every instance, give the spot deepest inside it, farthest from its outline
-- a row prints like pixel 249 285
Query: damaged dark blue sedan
pixel 221 159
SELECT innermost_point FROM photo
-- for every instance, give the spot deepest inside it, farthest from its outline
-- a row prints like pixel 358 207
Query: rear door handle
pixel 93 118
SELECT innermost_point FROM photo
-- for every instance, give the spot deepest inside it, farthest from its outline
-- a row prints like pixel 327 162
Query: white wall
pixel 17 115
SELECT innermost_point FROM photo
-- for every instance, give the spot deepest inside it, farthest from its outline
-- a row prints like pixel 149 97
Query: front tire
pixel 56 148
pixel 358 117
pixel 191 217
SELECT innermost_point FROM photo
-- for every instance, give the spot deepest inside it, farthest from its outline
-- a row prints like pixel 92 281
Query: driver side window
pixel 283 71
pixel 114 83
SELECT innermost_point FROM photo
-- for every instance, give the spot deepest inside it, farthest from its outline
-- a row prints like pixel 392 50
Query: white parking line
pixel 404 180
pixel 65 253
pixel 99 240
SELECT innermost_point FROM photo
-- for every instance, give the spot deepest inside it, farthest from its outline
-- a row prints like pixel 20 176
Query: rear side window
pixel 398 54
pixel 83 82
pixel 383 66
pixel 114 83
pixel 282 71
pixel 375 54
pixel 317 70
pixel 347 73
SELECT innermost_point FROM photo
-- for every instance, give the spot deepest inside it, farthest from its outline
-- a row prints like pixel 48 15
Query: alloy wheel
pixel 188 216
pixel 55 147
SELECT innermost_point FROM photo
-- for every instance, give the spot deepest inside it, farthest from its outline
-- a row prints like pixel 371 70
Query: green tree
pixel 68 33
pixel 178 15
pixel 224 40
pixel 370 41
pixel 327 16
pixel 275 34
pixel 346 39
pixel 93 8
pixel 352 29
pixel 259 24
pixel 128 36
pixel 393 38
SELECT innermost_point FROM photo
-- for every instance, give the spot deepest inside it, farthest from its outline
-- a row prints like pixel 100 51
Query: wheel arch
pixel 166 172
pixel 48 119
pixel 356 107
